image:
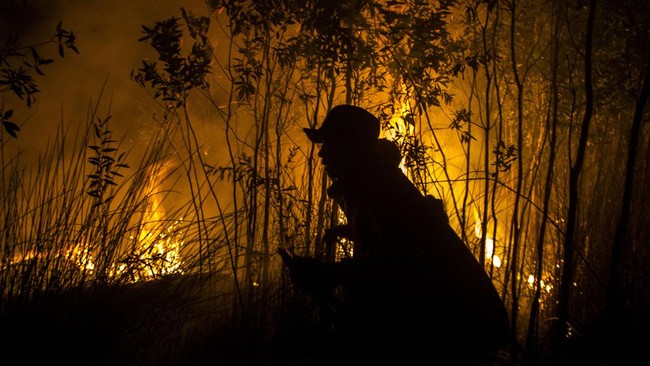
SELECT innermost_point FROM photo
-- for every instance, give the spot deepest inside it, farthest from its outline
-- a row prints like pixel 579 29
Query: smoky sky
pixel 108 32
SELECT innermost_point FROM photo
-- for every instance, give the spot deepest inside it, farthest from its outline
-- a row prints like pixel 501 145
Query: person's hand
pixel 308 274
pixel 336 233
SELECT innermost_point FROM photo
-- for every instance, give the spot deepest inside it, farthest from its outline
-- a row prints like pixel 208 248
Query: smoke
pixel 98 77
pixel 108 33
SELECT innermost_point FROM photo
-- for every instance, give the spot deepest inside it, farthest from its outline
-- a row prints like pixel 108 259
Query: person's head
pixel 348 138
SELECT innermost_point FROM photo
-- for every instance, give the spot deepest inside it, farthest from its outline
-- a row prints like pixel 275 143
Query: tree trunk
pixel 574 180
pixel 616 289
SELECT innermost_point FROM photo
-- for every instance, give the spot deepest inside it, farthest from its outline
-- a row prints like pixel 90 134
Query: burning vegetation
pixel 527 118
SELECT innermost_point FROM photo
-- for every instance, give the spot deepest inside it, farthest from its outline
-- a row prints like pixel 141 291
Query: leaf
pixel 35 55
pixel 95 183
pixel 11 128
pixel 95 193
pixel 8 114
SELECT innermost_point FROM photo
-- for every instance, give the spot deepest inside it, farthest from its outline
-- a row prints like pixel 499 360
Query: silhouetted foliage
pixel 106 164
pixel 19 63
pixel 178 75
pixel 486 100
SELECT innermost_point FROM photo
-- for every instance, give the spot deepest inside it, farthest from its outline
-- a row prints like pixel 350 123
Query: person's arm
pixel 343 231
pixel 313 276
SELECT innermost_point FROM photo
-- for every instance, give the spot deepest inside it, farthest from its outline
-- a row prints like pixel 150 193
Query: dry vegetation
pixel 528 118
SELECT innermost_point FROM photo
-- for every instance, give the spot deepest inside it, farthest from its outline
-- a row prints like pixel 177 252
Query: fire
pixel 489 242
pixel 152 250
pixel 546 287
pixel 78 254
pixel 157 243
pixel 155 254
pixel 81 257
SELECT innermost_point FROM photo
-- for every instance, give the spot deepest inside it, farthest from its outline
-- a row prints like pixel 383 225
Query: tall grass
pixel 182 243
pixel 97 267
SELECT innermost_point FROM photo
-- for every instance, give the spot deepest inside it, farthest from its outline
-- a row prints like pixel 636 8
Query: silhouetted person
pixel 412 291
pixel 386 156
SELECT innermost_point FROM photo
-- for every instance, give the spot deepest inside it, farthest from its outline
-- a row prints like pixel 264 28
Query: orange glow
pixel 157 244
pixel 489 242
pixel 399 128
pixel 81 256
pixel 77 254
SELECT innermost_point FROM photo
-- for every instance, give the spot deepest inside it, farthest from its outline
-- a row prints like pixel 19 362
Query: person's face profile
pixel 334 159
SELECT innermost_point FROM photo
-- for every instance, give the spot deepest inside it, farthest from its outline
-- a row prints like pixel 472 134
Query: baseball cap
pixel 346 123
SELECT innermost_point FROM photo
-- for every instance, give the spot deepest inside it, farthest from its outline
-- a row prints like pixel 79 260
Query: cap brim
pixel 314 135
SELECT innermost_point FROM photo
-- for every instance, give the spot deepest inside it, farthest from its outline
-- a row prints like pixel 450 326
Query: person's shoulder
pixel 391 174
pixel 392 188
pixel 387 179
pixel 435 208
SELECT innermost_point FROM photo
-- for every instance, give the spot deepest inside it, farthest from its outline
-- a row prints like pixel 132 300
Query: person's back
pixel 421 287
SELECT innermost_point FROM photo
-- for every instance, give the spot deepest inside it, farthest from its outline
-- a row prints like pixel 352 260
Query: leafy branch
pixel 178 74
pixel 505 156
pixel 18 64
pixel 106 165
